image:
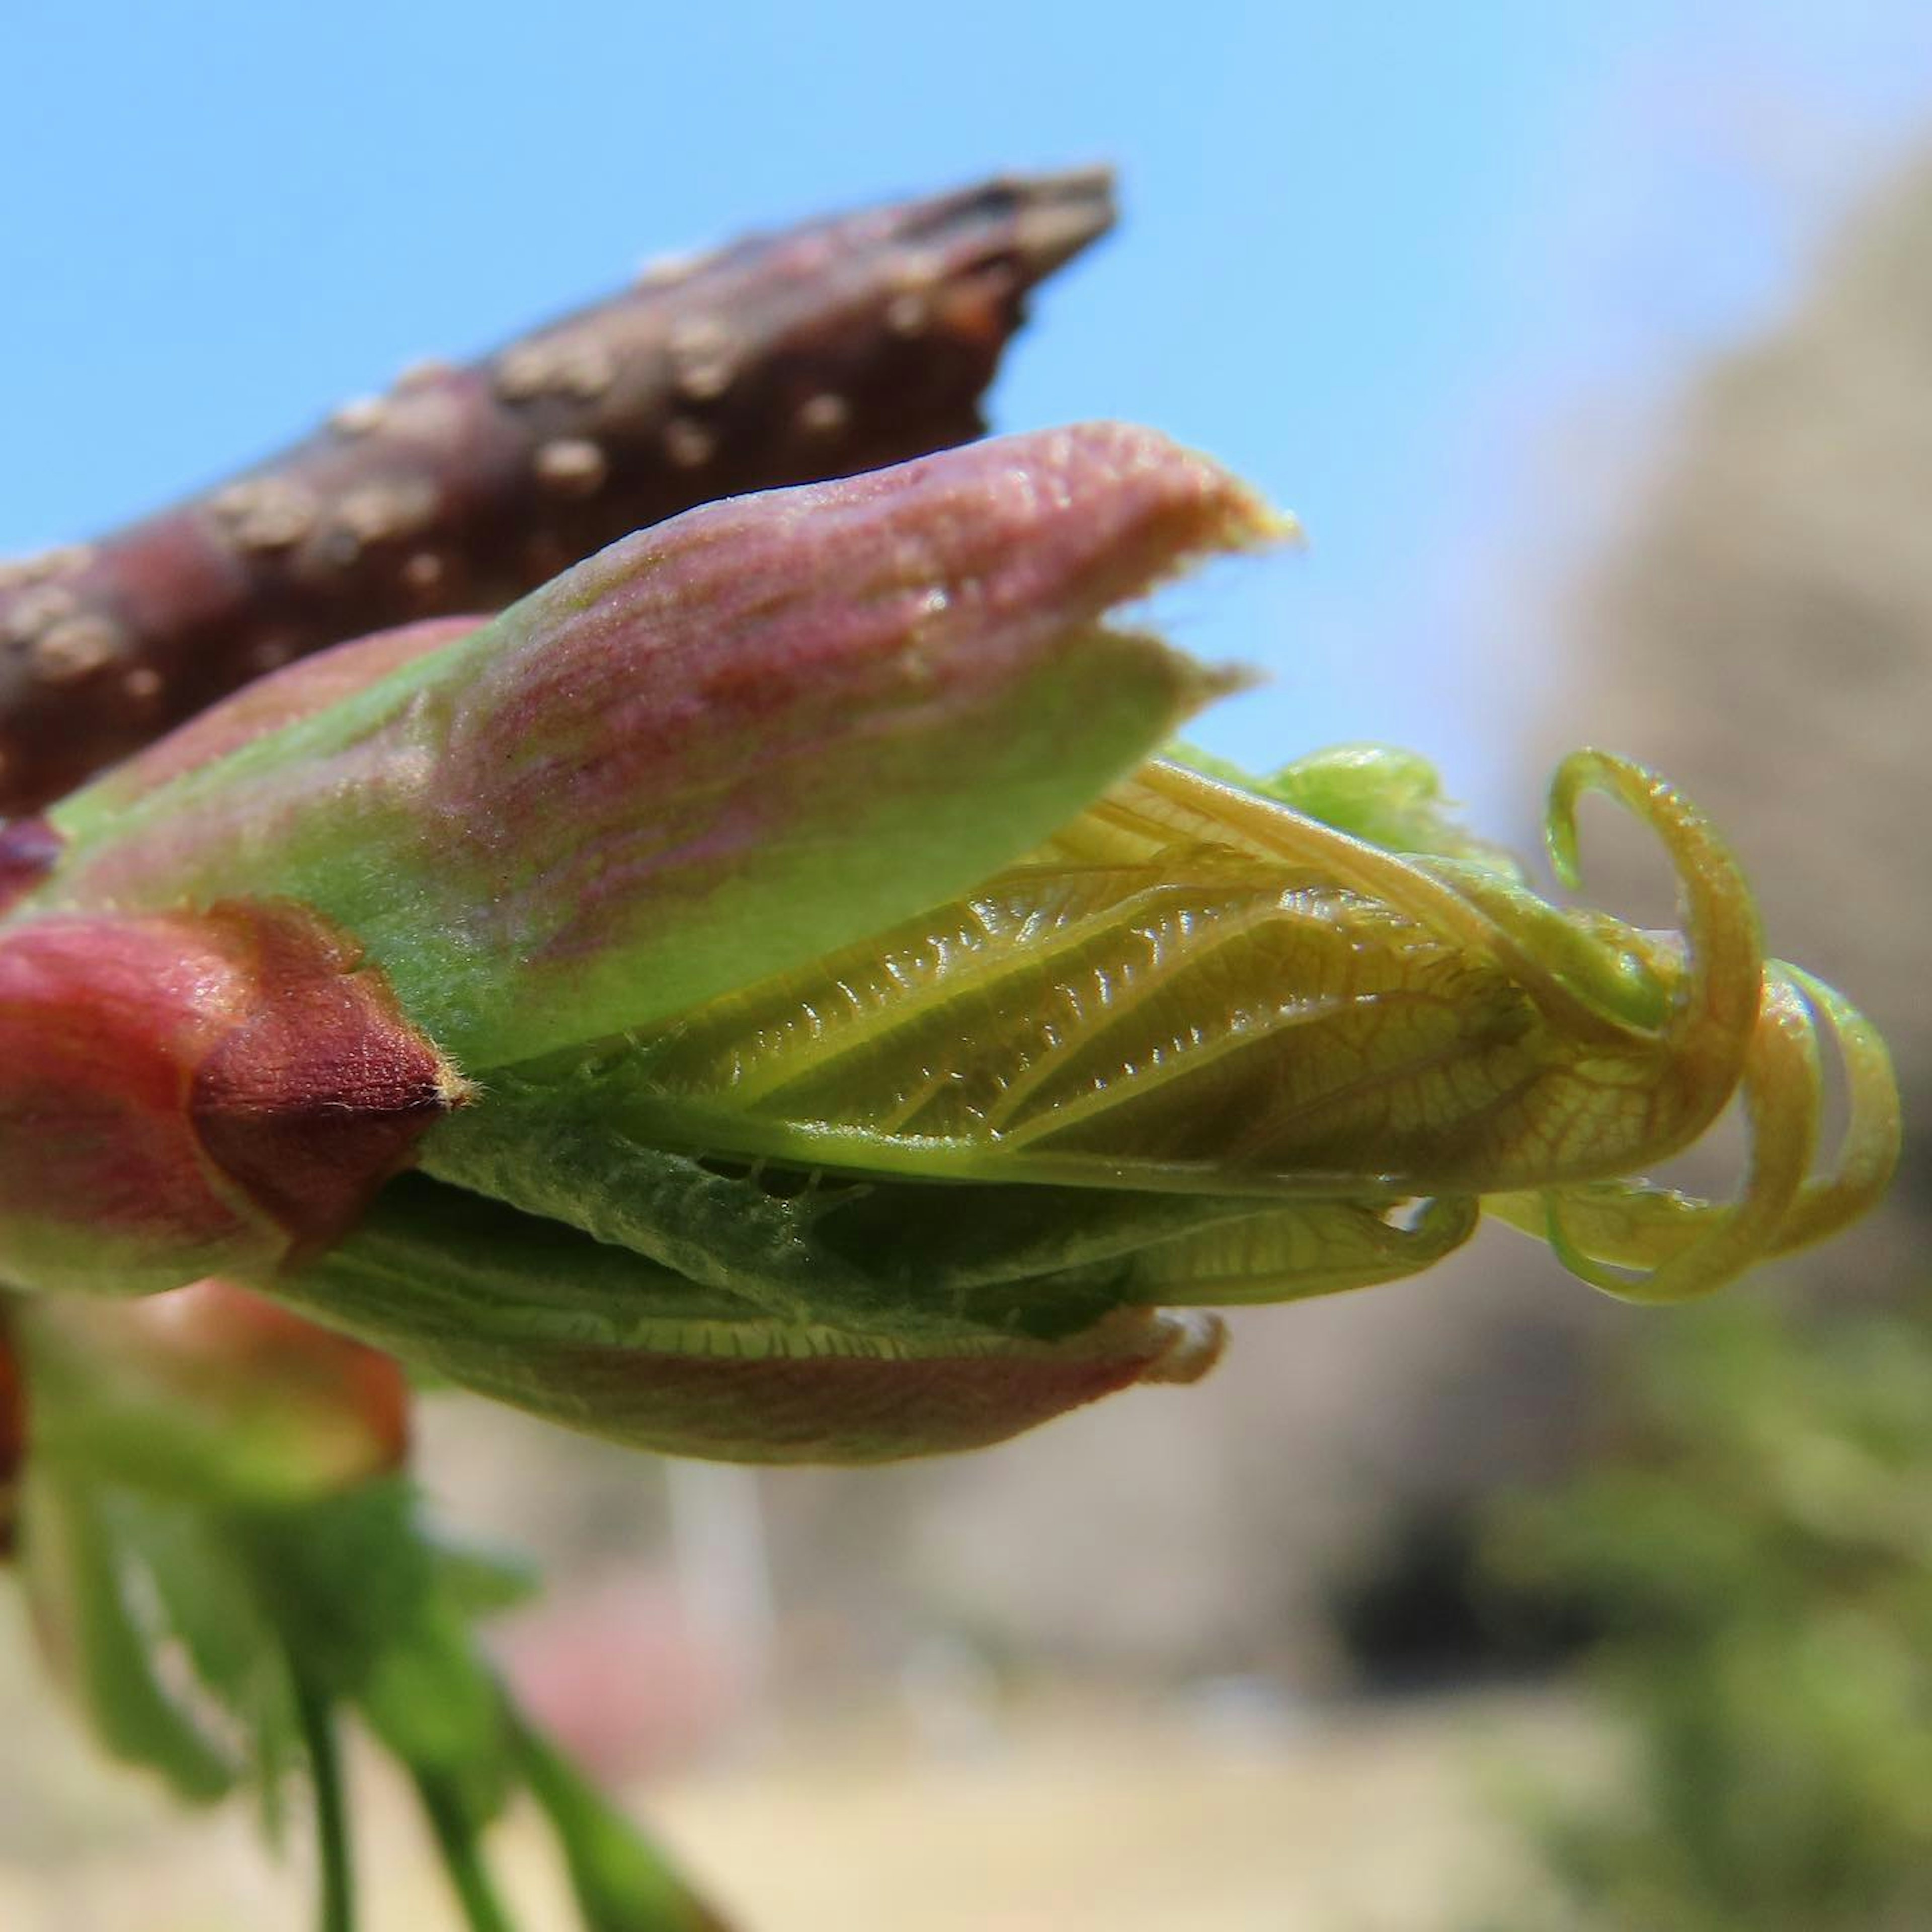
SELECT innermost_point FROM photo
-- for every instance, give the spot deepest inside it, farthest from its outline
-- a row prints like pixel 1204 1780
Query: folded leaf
pixel 596 1338
pixel 1198 990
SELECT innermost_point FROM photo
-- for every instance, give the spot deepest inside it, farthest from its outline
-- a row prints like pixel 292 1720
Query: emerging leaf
pixel 857 1052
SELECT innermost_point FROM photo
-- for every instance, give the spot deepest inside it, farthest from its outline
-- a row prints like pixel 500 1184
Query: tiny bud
pixel 182 1095
pixel 228 1397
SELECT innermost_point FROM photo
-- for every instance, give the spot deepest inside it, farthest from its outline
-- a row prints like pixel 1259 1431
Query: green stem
pixel 456 1840
pixel 622 1883
pixel 336 1872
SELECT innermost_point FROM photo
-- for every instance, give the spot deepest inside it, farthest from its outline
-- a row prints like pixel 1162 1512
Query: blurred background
pixel 1595 346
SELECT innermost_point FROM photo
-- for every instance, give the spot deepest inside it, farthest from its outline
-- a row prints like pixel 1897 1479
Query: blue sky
pixel 1384 261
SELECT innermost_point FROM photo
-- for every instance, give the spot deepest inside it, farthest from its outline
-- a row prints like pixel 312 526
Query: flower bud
pixel 722 746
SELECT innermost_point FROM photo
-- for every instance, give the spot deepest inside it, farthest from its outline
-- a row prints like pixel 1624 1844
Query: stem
pixel 456 1840
pixel 336 1872
pixel 621 1881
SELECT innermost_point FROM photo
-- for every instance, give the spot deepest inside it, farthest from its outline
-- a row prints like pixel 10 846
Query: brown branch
pixel 834 347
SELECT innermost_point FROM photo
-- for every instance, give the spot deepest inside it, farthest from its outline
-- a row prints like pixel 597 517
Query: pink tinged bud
pixel 184 1094
pixel 766 728
pixel 211 1391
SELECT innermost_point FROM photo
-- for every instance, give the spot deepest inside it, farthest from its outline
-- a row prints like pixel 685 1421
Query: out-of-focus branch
pixel 838 347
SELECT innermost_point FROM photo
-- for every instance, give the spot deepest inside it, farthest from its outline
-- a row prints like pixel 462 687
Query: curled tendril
pixel 1715 1005
pixel 1643 1243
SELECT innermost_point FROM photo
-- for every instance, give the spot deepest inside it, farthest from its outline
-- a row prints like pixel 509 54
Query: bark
pixel 838 347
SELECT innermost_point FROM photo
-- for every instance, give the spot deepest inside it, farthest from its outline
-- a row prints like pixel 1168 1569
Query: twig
pixel 834 347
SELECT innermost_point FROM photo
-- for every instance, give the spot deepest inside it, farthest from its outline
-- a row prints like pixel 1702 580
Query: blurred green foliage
pixel 1757 1551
